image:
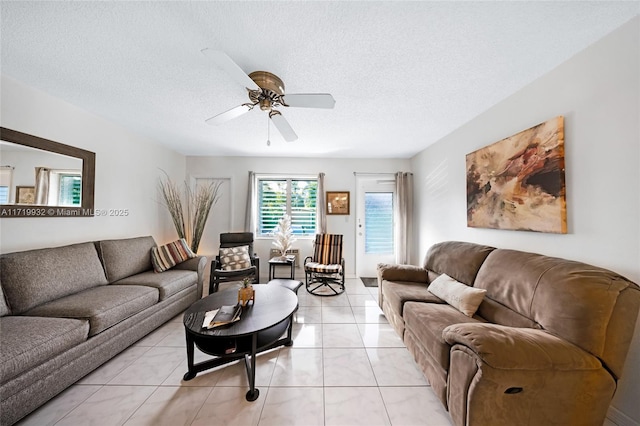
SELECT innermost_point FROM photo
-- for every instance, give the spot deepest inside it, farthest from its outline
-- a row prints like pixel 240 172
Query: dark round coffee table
pixel 261 327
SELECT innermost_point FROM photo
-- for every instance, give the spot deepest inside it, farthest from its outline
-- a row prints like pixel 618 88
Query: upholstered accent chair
pixel 324 271
pixel 235 261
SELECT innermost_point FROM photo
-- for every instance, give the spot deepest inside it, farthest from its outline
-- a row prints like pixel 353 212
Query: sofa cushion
pixel 168 283
pixel 103 306
pixel 125 257
pixel 396 293
pixel 499 314
pixel 464 298
pixel 26 342
pixel 459 260
pixel 321 268
pixel 426 321
pixel 570 299
pixel 169 255
pixel 4 307
pixel 31 278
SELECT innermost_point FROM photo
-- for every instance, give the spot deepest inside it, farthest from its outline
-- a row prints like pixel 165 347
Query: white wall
pixel 597 92
pixel 338 177
pixel 127 170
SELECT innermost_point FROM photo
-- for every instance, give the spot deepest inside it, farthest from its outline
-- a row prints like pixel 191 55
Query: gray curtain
pixel 321 206
pixel 42 185
pixel 404 217
pixel 250 217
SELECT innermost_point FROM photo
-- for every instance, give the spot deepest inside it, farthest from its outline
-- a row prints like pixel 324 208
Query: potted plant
pixel 246 292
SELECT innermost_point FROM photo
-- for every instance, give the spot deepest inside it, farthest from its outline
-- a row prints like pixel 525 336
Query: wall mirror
pixel 43 178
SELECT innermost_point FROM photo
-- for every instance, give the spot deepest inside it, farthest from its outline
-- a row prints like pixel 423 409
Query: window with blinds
pixel 4 194
pixel 70 190
pixel 6 173
pixel 378 214
pixel 295 197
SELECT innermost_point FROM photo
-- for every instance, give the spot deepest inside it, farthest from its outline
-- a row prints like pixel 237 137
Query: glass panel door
pixel 378 230
pixel 374 224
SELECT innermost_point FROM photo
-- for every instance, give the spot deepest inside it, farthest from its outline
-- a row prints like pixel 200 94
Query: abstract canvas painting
pixel 518 183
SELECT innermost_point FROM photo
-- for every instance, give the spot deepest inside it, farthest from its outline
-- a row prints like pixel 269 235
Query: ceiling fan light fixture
pixel 265 104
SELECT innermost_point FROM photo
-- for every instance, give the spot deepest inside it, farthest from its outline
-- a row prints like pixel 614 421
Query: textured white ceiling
pixel 403 74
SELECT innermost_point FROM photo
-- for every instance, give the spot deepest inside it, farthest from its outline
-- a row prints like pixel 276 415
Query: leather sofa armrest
pixel 510 348
pixel 395 272
pixel 197 264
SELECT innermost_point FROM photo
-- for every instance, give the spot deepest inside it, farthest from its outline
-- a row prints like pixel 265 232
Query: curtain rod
pixel 372 173
pixel 306 175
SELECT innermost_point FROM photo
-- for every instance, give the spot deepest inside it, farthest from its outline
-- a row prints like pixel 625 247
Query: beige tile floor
pixel 347 366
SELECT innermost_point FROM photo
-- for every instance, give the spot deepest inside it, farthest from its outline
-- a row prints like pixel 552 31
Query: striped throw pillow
pixel 169 255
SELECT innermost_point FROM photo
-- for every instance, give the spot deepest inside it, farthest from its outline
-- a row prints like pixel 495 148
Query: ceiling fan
pixel 266 90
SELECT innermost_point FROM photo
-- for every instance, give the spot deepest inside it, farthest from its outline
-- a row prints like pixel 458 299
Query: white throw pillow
pixel 462 297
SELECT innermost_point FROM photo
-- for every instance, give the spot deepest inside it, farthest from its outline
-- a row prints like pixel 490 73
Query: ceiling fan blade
pixel 229 115
pixel 310 100
pixel 223 61
pixel 283 126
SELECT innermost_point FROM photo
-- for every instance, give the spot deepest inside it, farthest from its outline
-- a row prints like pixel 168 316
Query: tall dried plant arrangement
pixel 173 202
pixel 189 208
pixel 283 235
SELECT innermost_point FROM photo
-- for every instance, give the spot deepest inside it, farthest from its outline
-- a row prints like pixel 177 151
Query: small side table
pixel 290 261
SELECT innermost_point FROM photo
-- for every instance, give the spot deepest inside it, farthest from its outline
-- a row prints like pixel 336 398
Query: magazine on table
pixel 224 315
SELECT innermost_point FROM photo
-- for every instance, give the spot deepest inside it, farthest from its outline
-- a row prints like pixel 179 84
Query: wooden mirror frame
pixel 88 178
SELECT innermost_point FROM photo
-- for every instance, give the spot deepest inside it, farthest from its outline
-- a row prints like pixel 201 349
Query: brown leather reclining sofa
pixel 545 347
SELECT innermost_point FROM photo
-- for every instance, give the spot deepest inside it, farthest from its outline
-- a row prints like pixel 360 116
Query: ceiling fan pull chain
pixel 268 133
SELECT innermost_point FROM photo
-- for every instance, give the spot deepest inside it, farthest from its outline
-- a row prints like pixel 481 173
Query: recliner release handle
pixel 511 391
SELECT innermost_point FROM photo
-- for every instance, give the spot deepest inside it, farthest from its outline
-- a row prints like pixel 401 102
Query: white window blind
pixel 70 190
pixel 295 197
pixel 4 194
pixel 378 235
pixel 6 174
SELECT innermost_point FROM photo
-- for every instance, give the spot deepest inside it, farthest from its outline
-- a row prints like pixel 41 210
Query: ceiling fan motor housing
pixel 272 89
pixel 268 81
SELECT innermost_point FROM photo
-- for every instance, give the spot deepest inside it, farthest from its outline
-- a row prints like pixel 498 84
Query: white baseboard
pixel 619 418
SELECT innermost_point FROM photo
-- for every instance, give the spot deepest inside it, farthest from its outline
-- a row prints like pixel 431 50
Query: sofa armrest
pixel 510 348
pixel 397 272
pixel 197 264
pixel 394 272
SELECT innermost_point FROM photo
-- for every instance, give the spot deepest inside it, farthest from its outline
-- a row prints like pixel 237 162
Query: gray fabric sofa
pixel 546 346
pixel 65 311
